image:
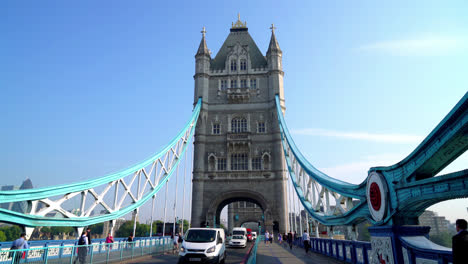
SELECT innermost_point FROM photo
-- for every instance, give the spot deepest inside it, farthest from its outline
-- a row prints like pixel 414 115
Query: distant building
pixel 437 223
pixel 7 206
pixel 21 207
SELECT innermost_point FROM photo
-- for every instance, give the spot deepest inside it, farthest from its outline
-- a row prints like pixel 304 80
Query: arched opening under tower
pixel 237 208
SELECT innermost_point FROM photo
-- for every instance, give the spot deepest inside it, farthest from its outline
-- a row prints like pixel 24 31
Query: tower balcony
pixel 238 141
pixel 238 95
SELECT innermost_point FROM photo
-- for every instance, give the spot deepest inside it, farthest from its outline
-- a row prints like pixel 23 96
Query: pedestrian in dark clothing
pixel 88 234
pixel 460 243
pixel 290 239
pixel 82 249
pixel 19 243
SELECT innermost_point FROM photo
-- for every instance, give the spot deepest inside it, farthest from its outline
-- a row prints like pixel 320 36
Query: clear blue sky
pixel 91 87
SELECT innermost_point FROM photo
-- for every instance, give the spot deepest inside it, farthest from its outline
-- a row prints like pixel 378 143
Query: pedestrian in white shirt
pixel 306 240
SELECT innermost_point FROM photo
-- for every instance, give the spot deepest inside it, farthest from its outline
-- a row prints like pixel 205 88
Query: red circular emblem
pixel 375 196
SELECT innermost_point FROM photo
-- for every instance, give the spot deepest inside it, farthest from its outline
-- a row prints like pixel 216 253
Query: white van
pixel 203 245
pixel 240 231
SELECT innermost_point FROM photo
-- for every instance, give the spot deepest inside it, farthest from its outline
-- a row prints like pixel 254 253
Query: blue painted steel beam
pixel 411 184
pixel 444 144
pixel 41 193
pixel 345 188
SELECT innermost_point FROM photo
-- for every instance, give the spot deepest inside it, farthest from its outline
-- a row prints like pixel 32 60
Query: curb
pixel 246 257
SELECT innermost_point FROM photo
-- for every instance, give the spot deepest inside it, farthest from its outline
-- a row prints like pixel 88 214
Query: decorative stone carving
pixel 382 249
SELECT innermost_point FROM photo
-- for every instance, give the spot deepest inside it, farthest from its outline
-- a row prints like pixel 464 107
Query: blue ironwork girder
pixel 358 214
pixel 444 144
pixel 415 197
pixel 342 187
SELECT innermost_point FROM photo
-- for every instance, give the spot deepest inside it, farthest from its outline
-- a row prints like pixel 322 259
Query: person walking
pixel 109 241
pixel 290 239
pixel 272 236
pixel 279 238
pixel 19 243
pixel 267 236
pixel 175 239
pixel 460 242
pixel 306 240
pixel 82 249
pixel 88 234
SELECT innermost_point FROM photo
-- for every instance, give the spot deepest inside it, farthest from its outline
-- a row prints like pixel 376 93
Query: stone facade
pixel 237 150
pixel 240 213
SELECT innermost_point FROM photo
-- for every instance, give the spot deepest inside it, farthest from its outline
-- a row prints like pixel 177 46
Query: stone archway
pixel 214 211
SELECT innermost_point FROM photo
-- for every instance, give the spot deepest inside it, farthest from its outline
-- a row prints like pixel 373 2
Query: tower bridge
pixel 243 152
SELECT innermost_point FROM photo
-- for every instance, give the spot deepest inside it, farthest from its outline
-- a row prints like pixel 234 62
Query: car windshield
pixel 200 236
pixel 237 237
pixel 238 232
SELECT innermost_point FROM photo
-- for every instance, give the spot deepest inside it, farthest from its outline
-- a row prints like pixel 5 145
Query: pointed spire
pixel 274 46
pixel 203 49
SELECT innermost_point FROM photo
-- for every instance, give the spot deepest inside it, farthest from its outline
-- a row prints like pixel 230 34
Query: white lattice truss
pixel 146 180
pixel 323 201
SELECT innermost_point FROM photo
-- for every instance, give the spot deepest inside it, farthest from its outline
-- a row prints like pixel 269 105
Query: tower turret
pixel 275 67
pixel 202 68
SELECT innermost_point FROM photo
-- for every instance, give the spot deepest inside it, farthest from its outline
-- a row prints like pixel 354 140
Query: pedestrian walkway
pixel 277 254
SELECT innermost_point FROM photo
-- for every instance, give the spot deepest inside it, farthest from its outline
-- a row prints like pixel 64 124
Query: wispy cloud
pixel 356 171
pixel 385 138
pixel 424 45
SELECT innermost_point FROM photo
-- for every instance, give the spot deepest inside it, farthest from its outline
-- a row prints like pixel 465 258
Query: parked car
pixel 238 241
pixel 203 245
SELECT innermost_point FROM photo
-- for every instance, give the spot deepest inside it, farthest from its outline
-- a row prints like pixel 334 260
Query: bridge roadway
pixel 266 254
pixel 279 254
pixel 234 256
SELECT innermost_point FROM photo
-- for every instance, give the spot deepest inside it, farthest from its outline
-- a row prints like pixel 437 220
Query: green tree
pixel 186 225
pixel 57 230
pixel 443 239
pixel 11 232
pixel 142 230
pixel 45 232
pixel 97 229
pixel 2 236
pixel 125 229
pixel 364 234
pixel 155 225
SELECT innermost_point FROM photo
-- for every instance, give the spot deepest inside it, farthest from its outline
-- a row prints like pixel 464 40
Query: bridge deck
pixel 277 254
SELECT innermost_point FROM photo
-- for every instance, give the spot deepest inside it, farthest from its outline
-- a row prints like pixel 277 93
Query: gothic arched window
pixel 233 65
pixel 243 65
pixel 238 125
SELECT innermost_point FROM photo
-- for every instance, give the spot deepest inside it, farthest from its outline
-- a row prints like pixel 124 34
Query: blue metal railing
pixel 68 251
pixel 360 252
pixel 253 254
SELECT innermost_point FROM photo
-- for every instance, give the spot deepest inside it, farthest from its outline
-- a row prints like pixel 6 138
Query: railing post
pixel 108 253
pixel 92 253
pixel 60 250
pixel 46 253
pixel 72 253
pixel 121 246
pixel 353 249
pixel 365 256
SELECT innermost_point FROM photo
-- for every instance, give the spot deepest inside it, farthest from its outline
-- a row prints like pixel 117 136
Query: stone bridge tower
pixel 237 150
